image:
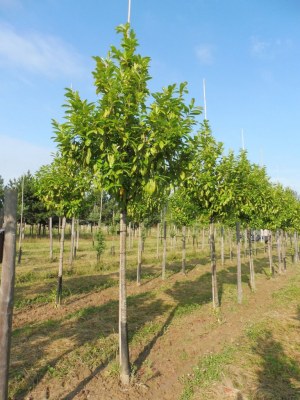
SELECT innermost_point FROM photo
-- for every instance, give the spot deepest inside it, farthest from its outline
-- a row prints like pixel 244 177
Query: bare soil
pixel 160 364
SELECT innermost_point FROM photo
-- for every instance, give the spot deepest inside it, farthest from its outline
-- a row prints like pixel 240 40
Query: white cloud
pixel 19 156
pixel 204 54
pixel 269 49
pixel 47 55
pixel 259 47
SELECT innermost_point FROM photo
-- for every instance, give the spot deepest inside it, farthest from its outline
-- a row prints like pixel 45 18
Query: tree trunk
pixel 245 244
pixel 7 287
pixel 296 256
pixel 130 244
pixel 279 251
pixel 164 258
pixel 72 250
pixel 140 251
pixel 230 245
pixel 157 240
pixel 123 328
pixel 77 236
pixel 272 270
pixel 101 209
pixel 239 264
pixel 215 296
pixel 194 237
pixel 222 246
pixel 21 223
pixel 284 244
pixel 51 239
pixel 61 261
pixel 183 249
pixel 251 265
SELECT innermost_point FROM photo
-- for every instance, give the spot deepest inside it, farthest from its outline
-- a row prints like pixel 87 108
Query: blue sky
pixel 248 52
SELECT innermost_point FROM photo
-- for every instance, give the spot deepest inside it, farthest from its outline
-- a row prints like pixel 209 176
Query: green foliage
pixel 62 187
pixel 34 211
pixel 181 208
pixel 131 147
pixel 283 210
pixel 100 244
pixel 203 182
pixel 246 188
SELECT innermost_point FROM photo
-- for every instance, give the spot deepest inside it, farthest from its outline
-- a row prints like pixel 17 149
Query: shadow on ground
pixel 279 374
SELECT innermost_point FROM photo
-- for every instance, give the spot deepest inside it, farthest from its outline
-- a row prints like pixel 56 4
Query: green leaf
pixel 111 159
pixel 88 156
pixel 150 186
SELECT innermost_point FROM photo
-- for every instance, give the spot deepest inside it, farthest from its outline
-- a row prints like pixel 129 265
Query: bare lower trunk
pixel 251 264
pixel 157 240
pixel 7 287
pixel 61 261
pixel 239 264
pixel 296 256
pixel 284 252
pixel 51 239
pixel 140 251
pixel 123 328
pixel 215 296
pixel 77 236
pixel 183 264
pixel 164 259
pixel 279 251
pixel 245 244
pixel 72 250
pixel 129 236
pixel 272 270
pixel 230 245
pixel 222 246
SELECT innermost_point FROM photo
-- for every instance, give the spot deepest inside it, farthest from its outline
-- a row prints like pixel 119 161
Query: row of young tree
pixel 146 154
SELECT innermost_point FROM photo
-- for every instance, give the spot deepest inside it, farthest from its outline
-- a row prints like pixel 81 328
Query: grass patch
pixel 71 287
pixel 288 294
pixel 208 370
pixel 264 363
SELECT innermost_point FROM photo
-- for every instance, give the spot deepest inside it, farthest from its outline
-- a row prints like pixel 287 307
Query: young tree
pixel 62 189
pixel 143 212
pixel 204 187
pixel 247 185
pixel 183 213
pixel 129 145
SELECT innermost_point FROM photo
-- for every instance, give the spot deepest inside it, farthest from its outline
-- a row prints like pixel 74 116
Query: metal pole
pixel 204 95
pixel 129 11
pixel 21 222
pixel 7 287
pixel 243 141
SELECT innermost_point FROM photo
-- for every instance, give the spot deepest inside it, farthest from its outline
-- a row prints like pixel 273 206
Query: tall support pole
pixel 204 95
pixel 243 139
pixel 129 11
pixel 123 327
pixel 7 287
pixel 21 223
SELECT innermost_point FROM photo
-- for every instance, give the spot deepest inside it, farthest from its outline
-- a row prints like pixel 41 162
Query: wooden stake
pixel 7 287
